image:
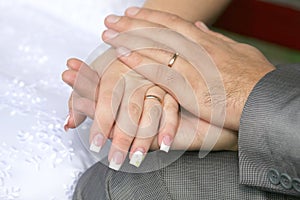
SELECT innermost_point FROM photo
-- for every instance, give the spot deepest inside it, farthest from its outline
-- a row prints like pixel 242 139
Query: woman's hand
pixel 190 134
pixel 123 113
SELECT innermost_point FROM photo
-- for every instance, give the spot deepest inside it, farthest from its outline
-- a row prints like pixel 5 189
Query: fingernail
pixel 97 143
pixel 109 34
pixel 201 25
pixel 116 161
pixel 112 19
pixel 137 158
pixel 132 11
pixel 66 123
pixel 166 143
pixel 123 52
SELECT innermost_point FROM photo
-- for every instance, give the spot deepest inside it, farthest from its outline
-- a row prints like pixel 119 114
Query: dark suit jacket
pixel 267 165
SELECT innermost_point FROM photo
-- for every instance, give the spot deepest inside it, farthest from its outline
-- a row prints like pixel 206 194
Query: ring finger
pixel 148 125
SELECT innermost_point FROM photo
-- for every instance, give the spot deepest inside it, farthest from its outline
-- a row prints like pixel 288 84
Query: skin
pixel 78 71
pixel 203 10
pixel 134 59
pixel 241 66
pixel 190 10
pixel 169 109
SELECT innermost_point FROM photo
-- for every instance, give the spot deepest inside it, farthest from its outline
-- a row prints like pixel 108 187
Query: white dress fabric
pixel 38 160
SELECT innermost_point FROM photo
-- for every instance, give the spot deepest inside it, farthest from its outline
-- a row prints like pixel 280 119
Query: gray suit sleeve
pixel 269 135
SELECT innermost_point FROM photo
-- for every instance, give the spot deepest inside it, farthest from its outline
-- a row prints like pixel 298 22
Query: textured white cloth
pixel 38 160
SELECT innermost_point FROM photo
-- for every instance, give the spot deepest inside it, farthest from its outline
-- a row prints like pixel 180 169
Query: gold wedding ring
pixel 173 59
pixel 151 96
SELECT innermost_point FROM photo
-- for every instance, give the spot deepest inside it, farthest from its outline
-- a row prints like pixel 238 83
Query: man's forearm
pixel 191 10
pixel 269 133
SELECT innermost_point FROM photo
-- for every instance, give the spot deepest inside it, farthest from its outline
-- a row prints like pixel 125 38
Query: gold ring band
pixel 173 59
pixel 150 96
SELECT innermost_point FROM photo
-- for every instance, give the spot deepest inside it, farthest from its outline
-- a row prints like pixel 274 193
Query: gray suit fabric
pixel 270 130
pixel 269 138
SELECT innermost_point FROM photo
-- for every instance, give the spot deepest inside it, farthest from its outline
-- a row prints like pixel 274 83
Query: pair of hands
pixel 213 74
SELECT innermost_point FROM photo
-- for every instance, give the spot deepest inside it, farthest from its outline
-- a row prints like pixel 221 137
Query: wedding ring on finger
pixel 151 96
pixel 173 59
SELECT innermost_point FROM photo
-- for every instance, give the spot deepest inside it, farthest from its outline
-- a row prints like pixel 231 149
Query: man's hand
pixel 208 61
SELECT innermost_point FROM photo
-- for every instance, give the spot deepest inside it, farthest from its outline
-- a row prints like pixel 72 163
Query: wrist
pixel 243 95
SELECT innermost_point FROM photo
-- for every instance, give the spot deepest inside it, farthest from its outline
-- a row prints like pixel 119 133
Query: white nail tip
pixel 137 158
pixel 66 122
pixel 95 148
pixel 164 147
pixel 113 165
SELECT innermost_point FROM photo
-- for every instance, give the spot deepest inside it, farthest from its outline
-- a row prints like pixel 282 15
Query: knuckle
pixel 125 23
pixel 106 96
pixel 174 19
pixel 80 105
pixel 122 140
pixel 77 102
pixel 159 48
pixel 134 109
pixel 171 107
pixel 155 111
pixel 136 59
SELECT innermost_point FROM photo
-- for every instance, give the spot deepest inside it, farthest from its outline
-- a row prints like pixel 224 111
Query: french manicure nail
pixel 109 34
pixel 116 161
pixel 97 143
pixel 123 52
pixel 66 123
pixel 166 144
pixel 132 11
pixel 137 158
pixel 112 19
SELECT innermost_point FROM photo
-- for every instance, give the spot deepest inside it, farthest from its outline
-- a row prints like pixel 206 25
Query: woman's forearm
pixel 191 10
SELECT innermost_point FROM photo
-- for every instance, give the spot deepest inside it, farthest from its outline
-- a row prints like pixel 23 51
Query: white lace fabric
pixel 38 160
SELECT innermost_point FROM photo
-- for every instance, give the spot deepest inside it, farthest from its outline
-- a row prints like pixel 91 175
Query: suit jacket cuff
pixel 269 135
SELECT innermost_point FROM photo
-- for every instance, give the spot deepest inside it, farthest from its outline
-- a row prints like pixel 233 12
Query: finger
pixel 168 20
pixel 84 107
pixel 193 134
pixel 80 106
pixel 147 18
pixel 205 36
pixel 102 62
pixel 145 46
pixel 69 77
pixel 74 117
pixel 178 85
pixel 157 52
pixel 141 27
pixel 149 53
pixel 148 125
pixel 82 68
pixel 169 123
pixel 124 23
pixel 87 87
pixel 192 142
pixel 205 29
pixel 198 74
pixel 126 125
pixel 82 79
pixel 189 139
pixel 109 99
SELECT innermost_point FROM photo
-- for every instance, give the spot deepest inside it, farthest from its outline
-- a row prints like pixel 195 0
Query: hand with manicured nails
pixel 212 77
pixel 84 101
